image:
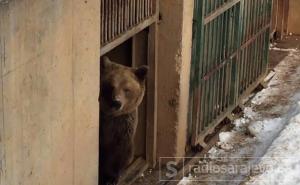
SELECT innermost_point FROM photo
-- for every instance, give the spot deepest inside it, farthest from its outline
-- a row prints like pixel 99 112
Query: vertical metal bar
pixel 224 81
pixel 146 8
pixel 151 7
pixel 114 19
pixel 231 82
pixel 201 110
pixel 213 65
pixel 248 19
pixel 134 12
pixel 139 10
pixel 254 60
pixel 250 61
pixel 254 17
pixel 123 7
pixel 196 120
pixel 218 61
pixel 260 55
pixel 259 15
pixel 246 67
pixel 118 16
pixel 207 7
pixel 109 22
pixel 126 14
pixel 242 67
pixel 221 60
pixel 228 71
pixel 102 22
pixel 106 21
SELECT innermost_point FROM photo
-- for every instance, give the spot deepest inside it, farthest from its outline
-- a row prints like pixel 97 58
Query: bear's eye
pixel 127 91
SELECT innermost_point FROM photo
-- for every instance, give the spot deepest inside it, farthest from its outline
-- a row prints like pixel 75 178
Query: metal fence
pixel 119 16
pixel 280 12
pixel 229 58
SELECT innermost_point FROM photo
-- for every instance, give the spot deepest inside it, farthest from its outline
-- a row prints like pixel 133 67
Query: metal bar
pixel 220 10
pixel 109 46
pixel 227 59
pixel 120 16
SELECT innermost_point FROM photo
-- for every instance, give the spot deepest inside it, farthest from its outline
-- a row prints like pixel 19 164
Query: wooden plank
pixel 152 95
pixel 134 171
pixel 139 57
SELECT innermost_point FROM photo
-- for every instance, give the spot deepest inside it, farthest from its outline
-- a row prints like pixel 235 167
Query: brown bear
pixel 121 92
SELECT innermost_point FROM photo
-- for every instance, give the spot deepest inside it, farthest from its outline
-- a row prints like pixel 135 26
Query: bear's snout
pixel 117 104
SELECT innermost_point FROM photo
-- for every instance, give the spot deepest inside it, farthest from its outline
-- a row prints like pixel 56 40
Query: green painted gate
pixel 229 59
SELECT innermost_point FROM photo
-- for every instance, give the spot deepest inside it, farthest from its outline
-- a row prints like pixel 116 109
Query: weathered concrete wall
pixel 174 57
pixel 49 91
pixel 294 17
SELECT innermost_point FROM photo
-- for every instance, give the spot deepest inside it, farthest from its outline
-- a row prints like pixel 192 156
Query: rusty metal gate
pixel 122 19
pixel 229 59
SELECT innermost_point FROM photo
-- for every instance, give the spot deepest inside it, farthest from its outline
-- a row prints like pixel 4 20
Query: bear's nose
pixel 116 104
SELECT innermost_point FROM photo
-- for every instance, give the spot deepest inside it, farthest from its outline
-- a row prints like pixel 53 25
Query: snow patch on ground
pixel 226 137
pixel 283 157
pixel 281 49
pixel 266 128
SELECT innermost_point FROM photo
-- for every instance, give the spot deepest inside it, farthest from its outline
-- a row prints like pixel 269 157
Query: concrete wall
pixel 294 17
pixel 49 89
pixel 174 57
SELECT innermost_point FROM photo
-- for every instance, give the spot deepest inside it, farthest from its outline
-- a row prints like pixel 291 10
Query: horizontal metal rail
pixel 220 10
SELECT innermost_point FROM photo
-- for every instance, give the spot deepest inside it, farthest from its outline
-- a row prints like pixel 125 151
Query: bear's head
pixel 122 88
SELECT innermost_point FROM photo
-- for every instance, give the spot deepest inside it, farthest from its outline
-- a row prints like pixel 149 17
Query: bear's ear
pixel 105 63
pixel 141 72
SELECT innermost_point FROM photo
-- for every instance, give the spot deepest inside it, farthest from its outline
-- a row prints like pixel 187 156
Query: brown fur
pixel 126 86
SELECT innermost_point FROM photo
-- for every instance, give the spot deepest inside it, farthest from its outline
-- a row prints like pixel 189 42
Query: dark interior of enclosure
pixel 133 53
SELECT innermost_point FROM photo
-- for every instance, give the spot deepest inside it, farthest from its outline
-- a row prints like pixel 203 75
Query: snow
pixel 282 157
pixel 281 49
pixel 226 137
pixel 268 132
pixel 266 128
